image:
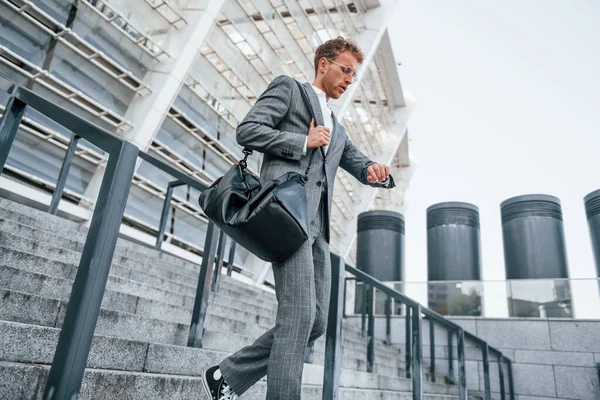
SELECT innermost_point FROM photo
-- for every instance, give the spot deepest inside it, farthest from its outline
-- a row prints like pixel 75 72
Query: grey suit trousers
pixel 302 286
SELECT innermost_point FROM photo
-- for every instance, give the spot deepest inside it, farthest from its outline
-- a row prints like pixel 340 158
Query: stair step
pixel 22 252
pixel 35 344
pixel 27 381
pixel 31 216
pixel 229 286
pixel 221 333
pixel 26 261
pixel 59 289
pixel 53 252
pixel 170 269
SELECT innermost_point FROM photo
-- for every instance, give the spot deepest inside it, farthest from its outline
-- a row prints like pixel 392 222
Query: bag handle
pixel 248 152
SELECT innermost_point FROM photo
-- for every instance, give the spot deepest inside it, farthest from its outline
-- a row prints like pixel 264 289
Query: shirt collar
pixel 320 93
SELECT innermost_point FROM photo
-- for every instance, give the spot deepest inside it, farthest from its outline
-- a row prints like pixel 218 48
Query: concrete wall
pixel 552 359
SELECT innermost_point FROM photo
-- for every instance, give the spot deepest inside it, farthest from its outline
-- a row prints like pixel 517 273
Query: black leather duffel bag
pixel 269 220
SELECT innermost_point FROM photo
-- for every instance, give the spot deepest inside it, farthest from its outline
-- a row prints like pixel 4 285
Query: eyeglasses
pixel 345 69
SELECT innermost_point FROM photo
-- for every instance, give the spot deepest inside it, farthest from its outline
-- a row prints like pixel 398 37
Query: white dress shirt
pixel 327 118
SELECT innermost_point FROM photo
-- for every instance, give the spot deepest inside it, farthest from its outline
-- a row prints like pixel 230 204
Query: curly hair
pixel 332 48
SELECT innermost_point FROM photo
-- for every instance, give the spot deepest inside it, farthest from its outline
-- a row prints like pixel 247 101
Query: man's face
pixel 338 73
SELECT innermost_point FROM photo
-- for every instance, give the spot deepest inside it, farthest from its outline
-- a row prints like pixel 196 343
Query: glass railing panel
pixel 586 298
pixel 458 298
pixel 525 298
pixel 452 298
pixel 355 295
pixel 539 298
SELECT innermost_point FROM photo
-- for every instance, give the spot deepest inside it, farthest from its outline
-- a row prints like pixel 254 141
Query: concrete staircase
pixel 139 349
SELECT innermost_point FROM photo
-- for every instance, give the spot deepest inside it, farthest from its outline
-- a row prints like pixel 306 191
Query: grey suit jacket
pixel 277 126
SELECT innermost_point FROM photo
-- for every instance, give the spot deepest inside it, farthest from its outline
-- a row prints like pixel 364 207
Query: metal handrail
pixel 68 365
pixel 414 357
pixel 75 339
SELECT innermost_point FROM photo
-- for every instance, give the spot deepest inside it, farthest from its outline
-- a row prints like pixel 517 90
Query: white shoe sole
pixel 205 384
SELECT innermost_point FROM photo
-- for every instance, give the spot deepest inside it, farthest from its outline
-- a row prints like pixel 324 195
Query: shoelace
pixel 227 393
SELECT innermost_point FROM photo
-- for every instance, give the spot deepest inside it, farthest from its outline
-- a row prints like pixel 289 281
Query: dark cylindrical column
pixel 592 209
pixel 453 242
pixel 454 254
pixel 380 250
pixel 380 244
pixel 534 240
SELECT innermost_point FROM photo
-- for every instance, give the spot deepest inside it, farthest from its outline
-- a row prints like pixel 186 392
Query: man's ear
pixel 322 63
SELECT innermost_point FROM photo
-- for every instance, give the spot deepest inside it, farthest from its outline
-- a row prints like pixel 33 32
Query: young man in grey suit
pixel 280 126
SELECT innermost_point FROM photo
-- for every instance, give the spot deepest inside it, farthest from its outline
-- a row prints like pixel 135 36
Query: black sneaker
pixel 215 385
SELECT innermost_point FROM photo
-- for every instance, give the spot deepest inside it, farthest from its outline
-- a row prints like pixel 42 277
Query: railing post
pixel 501 378
pixel 486 372
pixel 408 340
pixel 165 213
pixel 511 387
pixel 163 217
pixel 371 330
pixel 333 339
pixel 216 279
pixel 344 304
pixel 462 376
pixel 432 349
pixel 9 125
pixel 388 320
pixel 231 258
pixel 451 376
pixel 363 322
pixel 76 335
pixel 203 287
pixel 417 360
pixel 62 177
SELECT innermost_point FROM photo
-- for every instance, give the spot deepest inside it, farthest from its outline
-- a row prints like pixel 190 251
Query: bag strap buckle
pixel 244 162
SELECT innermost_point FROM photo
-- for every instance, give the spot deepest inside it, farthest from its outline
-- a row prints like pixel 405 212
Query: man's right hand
pixel 317 136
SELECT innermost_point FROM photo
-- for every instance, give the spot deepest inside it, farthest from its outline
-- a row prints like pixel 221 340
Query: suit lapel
pixel 335 136
pixel 316 108
pixel 314 102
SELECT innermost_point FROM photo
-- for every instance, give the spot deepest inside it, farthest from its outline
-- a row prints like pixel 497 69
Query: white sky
pixel 508 104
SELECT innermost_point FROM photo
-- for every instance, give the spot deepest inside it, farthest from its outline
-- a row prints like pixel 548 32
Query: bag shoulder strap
pixel 312 115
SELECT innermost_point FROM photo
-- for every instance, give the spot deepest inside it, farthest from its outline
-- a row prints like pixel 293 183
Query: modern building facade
pixel 175 78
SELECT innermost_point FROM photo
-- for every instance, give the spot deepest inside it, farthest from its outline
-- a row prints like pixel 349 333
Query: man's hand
pixel 317 136
pixel 377 173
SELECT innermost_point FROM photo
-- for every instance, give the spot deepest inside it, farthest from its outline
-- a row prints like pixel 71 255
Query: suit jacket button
pixel 319 183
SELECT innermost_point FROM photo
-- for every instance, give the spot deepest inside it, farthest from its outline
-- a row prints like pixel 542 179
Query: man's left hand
pixel 377 173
